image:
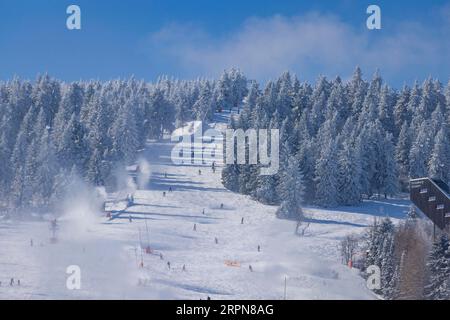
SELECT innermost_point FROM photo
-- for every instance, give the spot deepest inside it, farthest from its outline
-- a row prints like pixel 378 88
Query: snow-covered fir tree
pixel 349 174
pixel 380 252
pixel 438 265
pixel 327 192
pixel 439 164
pixel 292 192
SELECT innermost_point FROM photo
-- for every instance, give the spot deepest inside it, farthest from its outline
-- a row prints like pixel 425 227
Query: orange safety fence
pixel 230 263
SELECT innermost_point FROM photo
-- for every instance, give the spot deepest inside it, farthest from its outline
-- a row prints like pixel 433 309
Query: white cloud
pixel 310 44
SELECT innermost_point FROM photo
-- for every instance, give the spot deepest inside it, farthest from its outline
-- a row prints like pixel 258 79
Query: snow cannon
pixel 53 228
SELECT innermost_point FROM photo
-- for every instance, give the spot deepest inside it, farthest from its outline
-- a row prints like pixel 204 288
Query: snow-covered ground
pixel 108 251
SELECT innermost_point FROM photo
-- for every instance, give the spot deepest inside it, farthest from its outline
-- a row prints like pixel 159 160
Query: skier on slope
pixel 164 194
pixel 199 172
pixel 242 220
pixel 11 282
pixel 168 265
pixel 250 268
pixel 203 211
pixel 161 256
pixel 170 189
pixel 259 248
pixel 216 240
pixel 184 267
pixel 221 206
pixel 31 242
pixel 129 219
pixel 195 227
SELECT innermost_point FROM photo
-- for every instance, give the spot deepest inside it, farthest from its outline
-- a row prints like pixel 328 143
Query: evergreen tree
pixel 438 265
pixel 319 102
pixel 428 99
pixel 18 171
pixel 326 178
pixel 307 162
pixel 230 177
pixel 73 149
pixel 203 108
pixel 94 169
pixel 439 164
pixel 402 150
pixel 47 170
pixel 337 105
pixel 46 96
pixel 266 189
pixel 401 114
pixel 292 192
pixel 5 168
pixel 71 103
pixel 124 135
pixel 385 109
pixel 356 91
pixel 371 100
pixel 224 98
pixel 380 252
pixel 349 175
pixel 386 169
pixel 420 151
pixel 414 99
pixel 389 278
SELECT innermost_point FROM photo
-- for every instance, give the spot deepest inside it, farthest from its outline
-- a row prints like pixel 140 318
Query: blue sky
pixel 187 39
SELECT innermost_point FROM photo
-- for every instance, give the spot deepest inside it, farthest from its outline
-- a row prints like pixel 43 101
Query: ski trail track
pixel 109 254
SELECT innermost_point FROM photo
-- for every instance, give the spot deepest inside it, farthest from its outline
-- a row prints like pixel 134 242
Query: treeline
pixel 51 131
pixel 345 140
pixel 412 266
pixel 340 141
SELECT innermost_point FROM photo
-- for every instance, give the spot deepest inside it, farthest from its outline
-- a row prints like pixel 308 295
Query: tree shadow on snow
pixel 344 223
pixel 393 208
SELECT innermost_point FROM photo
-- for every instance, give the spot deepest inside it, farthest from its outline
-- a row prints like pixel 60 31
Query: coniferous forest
pixel 52 131
pixel 345 141
pixel 340 141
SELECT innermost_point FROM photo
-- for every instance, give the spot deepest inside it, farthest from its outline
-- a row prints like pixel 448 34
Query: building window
pixel 424 190
pixel 431 199
pixel 440 207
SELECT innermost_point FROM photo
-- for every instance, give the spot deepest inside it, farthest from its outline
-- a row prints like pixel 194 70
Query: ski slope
pixel 108 251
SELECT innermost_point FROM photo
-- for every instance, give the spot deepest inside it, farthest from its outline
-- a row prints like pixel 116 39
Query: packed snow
pixel 209 235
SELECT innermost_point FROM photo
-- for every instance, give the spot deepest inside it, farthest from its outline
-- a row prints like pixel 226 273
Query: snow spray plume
pixel 124 182
pixel 143 173
pixel 79 206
